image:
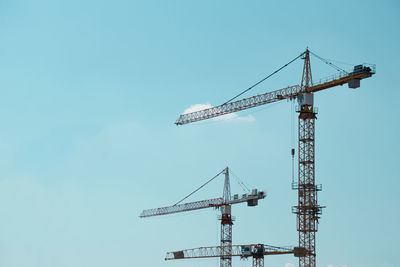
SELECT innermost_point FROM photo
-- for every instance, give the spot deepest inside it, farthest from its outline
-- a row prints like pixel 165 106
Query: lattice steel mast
pixel 226 225
pixel 307 210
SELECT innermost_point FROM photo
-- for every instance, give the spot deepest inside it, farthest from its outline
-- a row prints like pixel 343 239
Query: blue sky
pixel 89 94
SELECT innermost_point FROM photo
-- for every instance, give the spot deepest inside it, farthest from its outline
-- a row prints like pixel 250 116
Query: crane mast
pixel 226 225
pixel 307 210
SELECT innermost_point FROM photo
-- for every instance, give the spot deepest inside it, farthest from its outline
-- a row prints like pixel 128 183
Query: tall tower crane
pixel 224 203
pixel 256 251
pixel 307 210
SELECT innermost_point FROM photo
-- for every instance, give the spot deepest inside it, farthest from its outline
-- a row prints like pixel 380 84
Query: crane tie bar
pixel 257 83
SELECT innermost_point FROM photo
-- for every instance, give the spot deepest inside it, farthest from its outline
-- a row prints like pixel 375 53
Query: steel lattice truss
pixel 215 202
pixel 226 226
pixel 226 240
pixel 246 103
pixel 308 210
pixel 217 251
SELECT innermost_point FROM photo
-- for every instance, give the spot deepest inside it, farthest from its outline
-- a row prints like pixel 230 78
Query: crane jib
pixel 251 199
pixel 242 251
pixel 289 92
pixel 254 101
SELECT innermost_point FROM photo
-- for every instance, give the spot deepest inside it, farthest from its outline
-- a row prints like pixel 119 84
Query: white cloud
pixel 231 116
pixel 197 107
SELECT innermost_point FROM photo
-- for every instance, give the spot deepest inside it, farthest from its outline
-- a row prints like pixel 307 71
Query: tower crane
pixel 225 203
pixel 256 251
pixel 307 210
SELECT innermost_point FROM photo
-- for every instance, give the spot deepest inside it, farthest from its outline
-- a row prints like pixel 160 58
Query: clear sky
pixel 89 92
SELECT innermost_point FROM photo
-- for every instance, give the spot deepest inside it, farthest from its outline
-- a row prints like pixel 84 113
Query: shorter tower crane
pixel 256 251
pixel 225 202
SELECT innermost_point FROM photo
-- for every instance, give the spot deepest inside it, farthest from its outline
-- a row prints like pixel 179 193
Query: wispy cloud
pixel 289 265
pixel 231 116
